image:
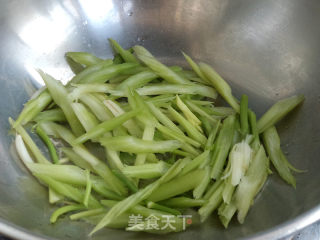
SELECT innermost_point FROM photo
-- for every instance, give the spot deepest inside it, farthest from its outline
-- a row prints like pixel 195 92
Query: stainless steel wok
pixel 268 49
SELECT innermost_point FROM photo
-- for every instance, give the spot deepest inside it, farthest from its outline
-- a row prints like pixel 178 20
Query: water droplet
pixel 277 94
pixel 85 22
pixel 287 145
pixel 89 45
pixel 286 127
pixel 130 13
pixel 286 153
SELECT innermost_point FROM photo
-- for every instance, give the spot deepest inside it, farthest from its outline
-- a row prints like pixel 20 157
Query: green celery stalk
pixel 60 96
pixel 190 129
pixel 220 85
pixel 244 115
pixel 200 189
pixel 212 204
pixel 147 170
pixel 188 114
pixel 201 112
pixel 196 162
pixel 88 188
pixel 136 145
pixel 222 146
pixel 86 118
pixel 212 189
pixel 182 202
pixel 55 115
pixel 162 70
pixel 116 110
pixel 128 182
pixel 30 143
pixel 278 111
pixel 177 186
pixel 67 190
pixel 251 183
pixel 126 55
pixel 45 138
pixel 104 74
pixel 88 213
pixel 271 140
pixel 65 209
pixel 226 212
pixel 33 107
pixel 160 207
pixel 83 58
pixel 81 89
pixel 195 67
pixel 137 80
pixel 106 126
pixel 96 107
pixel 131 201
pixel 80 77
pixel 102 170
pixel 254 130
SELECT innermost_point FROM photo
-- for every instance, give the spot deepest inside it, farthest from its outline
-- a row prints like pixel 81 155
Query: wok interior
pixel 266 49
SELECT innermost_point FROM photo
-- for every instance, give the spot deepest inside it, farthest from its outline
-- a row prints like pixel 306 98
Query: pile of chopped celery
pixel 144 139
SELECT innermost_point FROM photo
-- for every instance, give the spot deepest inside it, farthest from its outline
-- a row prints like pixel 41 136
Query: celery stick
pixel 212 189
pixel 163 118
pixel 116 110
pixel 278 111
pixel 212 136
pixel 104 74
pixel 188 88
pixel 175 135
pixel 196 162
pixel 106 126
pixel 254 130
pixel 136 145
pixel 55 115
pixel 201 112
pixel 226 212
pixel 88 213
pixel 160 207
pixel 222 146
pixel 117 59
pixel 65 209
pixel 33 107
pixel 251 184
pixel 137 80
pixel 97 107
pixel 88 188
pixel 126 55
pixel 220 85
pixel 67 190
pixel 58 131
pixel 147 170
pixel 130 184
pixel 195 67
pixel 30 143
pixel 59 95
pixel 45 138
pixel 190 129
pixel 80 77
pixel 22 151
pixel 271 140
pixel 102 170
pixel 137 197
pixel 162 70
pixel 228 191
pixel 244 115
pixel 87 119
pixel 212 204
pixel 182 202
pixel 140 50
pixel 177 186
pixel 83 58
pixel 188 114
pixel 148 135
pixel 81 89
pixel 200 189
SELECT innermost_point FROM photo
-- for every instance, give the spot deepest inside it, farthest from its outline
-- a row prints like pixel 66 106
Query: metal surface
pixel 267 49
